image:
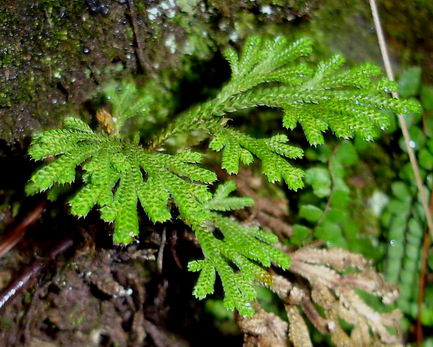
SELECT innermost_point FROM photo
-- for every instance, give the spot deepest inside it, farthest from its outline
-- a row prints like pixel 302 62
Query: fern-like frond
pixel 239 257
pixel 349 102
pixel 126 101
pixel 221 201
pixel 118 175
pixel 268 72
pixel 239 147
pixel 265 61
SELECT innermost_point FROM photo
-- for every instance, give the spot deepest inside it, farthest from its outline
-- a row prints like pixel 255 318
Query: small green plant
pixel 404 217
pixel 119 174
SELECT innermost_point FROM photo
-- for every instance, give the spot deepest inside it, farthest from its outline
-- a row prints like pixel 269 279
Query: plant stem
pixel 24 278
pixel 401 119
pixel 19 231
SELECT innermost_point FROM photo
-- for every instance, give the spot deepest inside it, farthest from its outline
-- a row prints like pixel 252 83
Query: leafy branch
pixel 119 174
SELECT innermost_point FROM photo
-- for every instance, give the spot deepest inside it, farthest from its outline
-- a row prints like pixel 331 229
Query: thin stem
pixel 24 278
pixel 19 231
pixel 192 119
pixel 138 40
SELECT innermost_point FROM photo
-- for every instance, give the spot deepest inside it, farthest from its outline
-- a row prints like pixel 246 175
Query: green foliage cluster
pixel 331 209
pixel 404 216
pixel 119 174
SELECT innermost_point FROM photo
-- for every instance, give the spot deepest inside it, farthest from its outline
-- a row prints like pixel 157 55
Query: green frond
pixel 62 170
pixel 244 241
pixel 237 259
pixel 206 280
pixel 117 175
pixel 126 101
pixel 178 165
pixel 222 202
pixel 58 141
pixel 76 124
pixel 268 72
pixel 269 151
pixel 265 60
pixel 125 205
pixel 101 178
pixel 154 200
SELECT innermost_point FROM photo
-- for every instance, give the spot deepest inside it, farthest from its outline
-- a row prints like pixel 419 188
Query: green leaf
pixel 320 181
pixel 310 213
pixel 401 191
pixel 426 159
pixel 346 154
pixel 301 235
pixel 427 97
pixel 409 82
pixel 332 234
pixel 340 198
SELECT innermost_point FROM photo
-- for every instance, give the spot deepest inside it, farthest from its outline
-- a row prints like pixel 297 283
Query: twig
pixel 138 40
pixel 19 231
pixel 401 119
pixel 24 278
pixel 160 257
pixel 173 242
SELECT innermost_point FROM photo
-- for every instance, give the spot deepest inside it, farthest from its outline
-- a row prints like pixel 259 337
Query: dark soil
pixel 101 295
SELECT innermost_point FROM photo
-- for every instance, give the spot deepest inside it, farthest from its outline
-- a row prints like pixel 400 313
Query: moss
pixel 46 47
pixel 55 54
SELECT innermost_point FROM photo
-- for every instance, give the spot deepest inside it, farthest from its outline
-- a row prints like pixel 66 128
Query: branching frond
pixel 268 72
pixel 118 175
pixel 350 102
pixel 239 257
pixel 126 102
pixel 239 147
pixel 221 201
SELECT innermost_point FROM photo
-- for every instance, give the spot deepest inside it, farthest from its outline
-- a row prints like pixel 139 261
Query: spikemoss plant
pixel 119 174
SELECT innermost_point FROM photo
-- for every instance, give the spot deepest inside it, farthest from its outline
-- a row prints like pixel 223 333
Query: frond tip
pixel 240 258
pixel 350 102
pixel 238 146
